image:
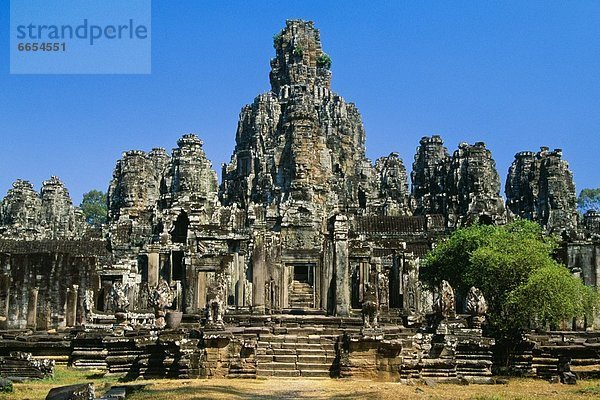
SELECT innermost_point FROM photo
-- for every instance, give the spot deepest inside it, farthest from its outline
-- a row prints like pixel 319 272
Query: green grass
pixel 63 376
pixel 595 390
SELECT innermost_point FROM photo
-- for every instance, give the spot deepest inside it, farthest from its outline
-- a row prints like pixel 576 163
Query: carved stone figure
pixel 118 295
pixel 383 283
pixel 160 298
pixel 370 308
pixel 215 307
pixel 476 305
pixel 447 302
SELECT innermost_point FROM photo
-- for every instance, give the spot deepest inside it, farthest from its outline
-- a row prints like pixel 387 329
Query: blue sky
pixel 515 74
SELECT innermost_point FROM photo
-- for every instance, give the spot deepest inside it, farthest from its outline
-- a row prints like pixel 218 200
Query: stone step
pixel 282 352
pixel 264 358
pixel 301 298
pixel 289 358
pixel 322 350
pixel 313 373
pixel 277 366
pixel 300 284
pixel 278 373
pixel 302 346
pixel 286 373
pixel 313 359
pixel 301 304
pixel 317 367
pixel 241 373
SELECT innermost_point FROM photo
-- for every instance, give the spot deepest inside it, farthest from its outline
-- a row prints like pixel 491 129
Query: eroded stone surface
pixel 540 187
pixel 50 214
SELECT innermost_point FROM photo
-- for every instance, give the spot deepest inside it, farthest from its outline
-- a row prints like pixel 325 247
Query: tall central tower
pixel 300 147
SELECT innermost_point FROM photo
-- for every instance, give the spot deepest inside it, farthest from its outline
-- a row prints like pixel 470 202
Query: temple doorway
pixel 302 289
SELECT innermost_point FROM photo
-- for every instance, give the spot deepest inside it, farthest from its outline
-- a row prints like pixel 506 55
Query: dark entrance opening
pixel 178 274
pixel 301 273
pixel 180 230
pixel 178 266
pixel 143 267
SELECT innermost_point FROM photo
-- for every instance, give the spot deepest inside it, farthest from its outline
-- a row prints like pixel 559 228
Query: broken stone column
pixel 71 315
pixel 32 308
pixel 340 237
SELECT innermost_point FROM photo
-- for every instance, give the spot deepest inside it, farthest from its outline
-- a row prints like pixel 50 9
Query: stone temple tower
pixel 540 187
pixel 299 147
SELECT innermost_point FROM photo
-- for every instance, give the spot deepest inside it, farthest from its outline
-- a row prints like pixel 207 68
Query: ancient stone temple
pixel 303 261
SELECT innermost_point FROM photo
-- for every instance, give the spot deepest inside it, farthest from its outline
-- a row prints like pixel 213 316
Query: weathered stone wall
pixel 42 283
pixel 583 258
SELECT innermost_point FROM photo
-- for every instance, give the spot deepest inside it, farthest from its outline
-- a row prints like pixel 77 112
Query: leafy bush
pixel 324 61
pixel 6 386
pixel 298 51
pixel 277 38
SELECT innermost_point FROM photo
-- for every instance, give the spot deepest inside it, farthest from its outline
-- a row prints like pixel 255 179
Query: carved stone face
pixel 301 171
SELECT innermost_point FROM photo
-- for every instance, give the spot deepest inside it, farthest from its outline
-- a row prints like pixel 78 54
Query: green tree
pixel 550 295
pixel 589 199
pixel 506 263
pixel 94 206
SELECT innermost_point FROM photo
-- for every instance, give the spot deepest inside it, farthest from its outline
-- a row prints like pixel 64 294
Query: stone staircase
pixel 301 295
pixel 311 356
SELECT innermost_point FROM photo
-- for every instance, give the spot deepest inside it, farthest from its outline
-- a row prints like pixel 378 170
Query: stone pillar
pixel 32 308
pixel 71 316
pixel 326 276
pixel 596 266
pixel 153 269
pixel 258 274
pixel 239 287
pixel 201 290
pixel 342 280
pixel 4 300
